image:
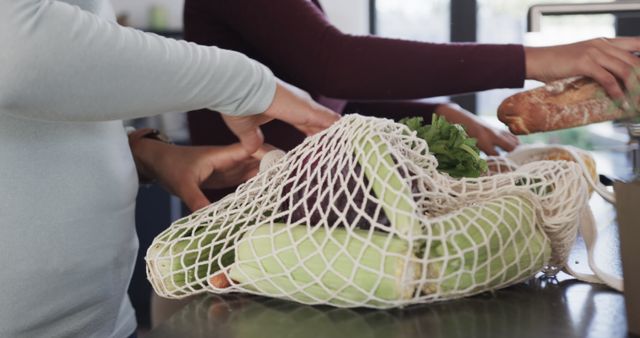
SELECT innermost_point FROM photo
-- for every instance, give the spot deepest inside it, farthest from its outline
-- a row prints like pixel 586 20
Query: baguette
pixel 560 104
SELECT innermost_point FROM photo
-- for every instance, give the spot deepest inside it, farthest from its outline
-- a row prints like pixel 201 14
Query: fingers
pixel 505 140
pixel 488 148
pixel 231 175
pixel 263 150
pixel 298 109
pixel 605 69
pixel 193 197
pixel 251 140
pixel 608 82
pixel 314 117
pixel 210 167
pixel 226 157
pixel 611 62
pixel 633 90
pixel 247 129
pixel 311 118
pixel 514 138
pixel 628 69
pixel 624 55
pixel 290 105
pixel 628 43
pixel 322 118
pixel 251 170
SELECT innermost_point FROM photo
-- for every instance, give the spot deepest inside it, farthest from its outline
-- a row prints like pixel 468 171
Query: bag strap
pixel 597 186
pixel 589 233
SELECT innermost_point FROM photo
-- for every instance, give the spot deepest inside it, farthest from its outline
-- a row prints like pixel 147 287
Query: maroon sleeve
pixel 295 39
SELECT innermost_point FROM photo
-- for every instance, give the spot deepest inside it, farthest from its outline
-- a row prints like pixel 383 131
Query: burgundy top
pixel 295 39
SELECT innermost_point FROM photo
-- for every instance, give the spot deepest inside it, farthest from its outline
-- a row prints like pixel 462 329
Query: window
pixel 499 21
pixel 414 19
pixel 504 21
pixel 418 20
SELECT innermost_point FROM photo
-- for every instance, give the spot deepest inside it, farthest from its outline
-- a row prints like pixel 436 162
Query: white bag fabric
pixel 358 215
pixel 587 225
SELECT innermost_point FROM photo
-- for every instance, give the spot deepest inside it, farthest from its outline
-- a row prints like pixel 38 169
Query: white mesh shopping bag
pixel 588 228
pixel 358 215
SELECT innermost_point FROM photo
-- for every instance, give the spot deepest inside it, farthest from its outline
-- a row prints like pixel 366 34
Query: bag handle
pixel 596 185
pixel 589 232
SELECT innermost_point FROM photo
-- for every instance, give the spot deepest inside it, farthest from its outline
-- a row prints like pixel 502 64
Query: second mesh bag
pixel 358 215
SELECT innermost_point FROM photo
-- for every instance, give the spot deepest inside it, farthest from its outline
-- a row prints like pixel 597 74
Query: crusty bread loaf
pixel 560 104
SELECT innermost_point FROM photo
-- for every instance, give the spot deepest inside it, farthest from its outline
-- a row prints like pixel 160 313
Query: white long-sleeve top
pixel 67 178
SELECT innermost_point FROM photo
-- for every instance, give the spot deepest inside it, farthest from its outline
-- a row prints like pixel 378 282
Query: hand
pixel 290 105
pixel 184 170
pixel 488 137
pixel 608 61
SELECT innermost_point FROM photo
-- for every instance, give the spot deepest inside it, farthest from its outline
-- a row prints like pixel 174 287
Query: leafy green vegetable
pixel 456 152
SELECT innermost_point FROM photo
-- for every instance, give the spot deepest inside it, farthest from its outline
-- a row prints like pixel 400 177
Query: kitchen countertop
pixel 533 309
pixel 560 307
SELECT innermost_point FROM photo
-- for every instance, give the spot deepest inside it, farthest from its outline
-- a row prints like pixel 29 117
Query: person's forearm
pixel 378 68
pixel 302 47
pixel 146 152
pixel 454 113
pixel 65 64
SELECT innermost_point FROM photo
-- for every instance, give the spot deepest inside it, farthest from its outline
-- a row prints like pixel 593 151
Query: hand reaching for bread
pixel 587 82
pixel 562 104
pixel 610 62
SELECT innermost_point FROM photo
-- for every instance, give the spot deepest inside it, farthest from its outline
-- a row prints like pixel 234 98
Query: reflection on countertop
pixel 538 308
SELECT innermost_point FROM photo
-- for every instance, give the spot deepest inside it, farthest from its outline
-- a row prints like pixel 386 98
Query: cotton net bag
pixel 358 215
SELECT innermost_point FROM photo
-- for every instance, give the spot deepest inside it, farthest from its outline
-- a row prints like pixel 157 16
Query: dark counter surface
pixel 533 309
